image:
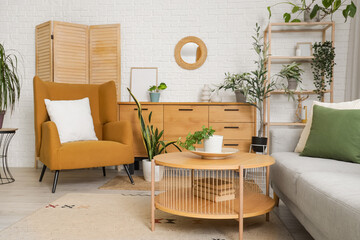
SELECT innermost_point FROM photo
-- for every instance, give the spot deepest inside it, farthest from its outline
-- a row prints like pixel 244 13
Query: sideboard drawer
pixel 242 145
pixel 244 113
pixel 179 120
pixel 234 130
pixel 130 113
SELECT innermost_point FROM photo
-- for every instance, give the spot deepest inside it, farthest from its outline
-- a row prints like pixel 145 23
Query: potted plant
pixel 258 88
pixel 212 143
pixel 316 10
pixel 322 66
pixel 292 73
pixel 154 146
pixel 155 92
pixel 236 82
pixel 9 82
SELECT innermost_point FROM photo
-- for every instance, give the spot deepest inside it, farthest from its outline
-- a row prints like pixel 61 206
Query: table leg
pixel 267 188
pixel 152 195
pixel 241 201
pixel 5 142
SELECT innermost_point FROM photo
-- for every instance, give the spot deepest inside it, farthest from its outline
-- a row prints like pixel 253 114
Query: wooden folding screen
pixel 43 46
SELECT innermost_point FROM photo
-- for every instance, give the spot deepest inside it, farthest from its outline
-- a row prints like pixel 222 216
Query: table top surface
pixel 8 130
pixel 191 161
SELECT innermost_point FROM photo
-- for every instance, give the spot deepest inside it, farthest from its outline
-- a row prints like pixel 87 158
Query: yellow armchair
pixel 115 137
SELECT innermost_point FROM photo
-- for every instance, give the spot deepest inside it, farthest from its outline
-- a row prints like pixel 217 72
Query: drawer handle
pixel 231 144
pixel 144 109
pixel 232 127
pixel 231 110
pixel 186 109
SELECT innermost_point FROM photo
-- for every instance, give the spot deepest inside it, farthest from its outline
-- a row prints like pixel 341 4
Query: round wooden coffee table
pixel 233 188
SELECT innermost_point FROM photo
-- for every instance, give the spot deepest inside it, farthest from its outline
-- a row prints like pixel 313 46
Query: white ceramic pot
pixel 213 144
pixel 159 171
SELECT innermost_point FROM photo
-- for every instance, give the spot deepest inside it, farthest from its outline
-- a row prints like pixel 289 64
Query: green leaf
pixel 269 10
pixel 295 9
pixel 296 20
pixel 327 3
pixel 162 86
pixel 287 18
pixel 314 11
pixel 337 4
pixel 352 9
pixel 152 88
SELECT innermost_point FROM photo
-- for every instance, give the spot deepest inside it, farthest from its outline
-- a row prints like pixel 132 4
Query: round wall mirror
pixel 190 53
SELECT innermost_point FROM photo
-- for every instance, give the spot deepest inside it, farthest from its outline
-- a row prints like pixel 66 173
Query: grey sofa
pixel 323 194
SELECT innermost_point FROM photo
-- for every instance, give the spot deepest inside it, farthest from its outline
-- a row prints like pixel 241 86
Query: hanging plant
pixel 322 66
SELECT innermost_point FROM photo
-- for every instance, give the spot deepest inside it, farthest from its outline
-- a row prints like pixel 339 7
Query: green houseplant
pixel 155 91
pixel 237 83
pixel 314 10
pixel 292 73
pixel 9 82
pixel 258 88
pixel 154 146
pixel 322 66
pixel 196 138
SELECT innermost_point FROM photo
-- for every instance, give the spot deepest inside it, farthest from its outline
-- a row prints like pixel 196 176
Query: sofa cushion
pixel 85 154
pixel 332 202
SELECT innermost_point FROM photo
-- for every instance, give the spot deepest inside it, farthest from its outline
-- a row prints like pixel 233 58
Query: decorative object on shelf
pixel 140 79
pixel 237 83
pixel 322 66
pixel 305 49
pixel 258 88
pixel 10 82
pixel 304 114
pixel 216 97
pixel 206 93
pixel 214 189
pixel 6 135
pixel 196 138
pixel 190 53
pixel 154 91
pixel 297 51
pixel 153 145
pixel 292 73
pixel 225 152
pixel 301 113
pixel 314 11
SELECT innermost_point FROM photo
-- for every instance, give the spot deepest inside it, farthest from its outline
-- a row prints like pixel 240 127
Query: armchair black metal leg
pixel 42 173
pixel 104 172
pixel 128 173
pixel 56 177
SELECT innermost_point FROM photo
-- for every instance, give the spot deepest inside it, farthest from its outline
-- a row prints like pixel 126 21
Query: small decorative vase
pixel 213 144
pixel 206 93
pixel 154 96
pixel 240 97
pixel 292 84
pixel 298 52
pixel 159 171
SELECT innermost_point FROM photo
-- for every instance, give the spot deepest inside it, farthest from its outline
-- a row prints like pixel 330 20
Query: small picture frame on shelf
pixel 141 78
pixel 304 49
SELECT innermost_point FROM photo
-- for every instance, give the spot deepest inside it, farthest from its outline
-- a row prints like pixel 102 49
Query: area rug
pixel 87 216
pixel 123 183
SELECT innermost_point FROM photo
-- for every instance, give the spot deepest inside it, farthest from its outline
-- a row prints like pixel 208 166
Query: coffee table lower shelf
pixel 188 205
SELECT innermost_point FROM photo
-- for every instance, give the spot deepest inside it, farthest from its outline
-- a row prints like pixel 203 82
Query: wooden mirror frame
pixel 199 62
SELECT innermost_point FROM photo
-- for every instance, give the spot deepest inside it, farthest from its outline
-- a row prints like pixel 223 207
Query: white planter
pixel 213 144
pixel 159 171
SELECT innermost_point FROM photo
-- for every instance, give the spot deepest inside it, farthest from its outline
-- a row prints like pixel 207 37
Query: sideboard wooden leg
pixel 152 195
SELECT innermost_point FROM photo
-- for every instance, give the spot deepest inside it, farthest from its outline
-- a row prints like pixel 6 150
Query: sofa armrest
pixel 50 144
pixel 120 131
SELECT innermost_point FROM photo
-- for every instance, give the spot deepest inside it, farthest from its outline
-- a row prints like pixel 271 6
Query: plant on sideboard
pixel 258 88
pixel 235 82
pixel 316 11
pixel 151 137
pixel 196 138
pixel 9 82
pixel 155 91
pixel 323 66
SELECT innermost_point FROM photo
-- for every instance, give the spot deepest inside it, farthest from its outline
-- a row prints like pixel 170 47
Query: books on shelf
pixel 214 189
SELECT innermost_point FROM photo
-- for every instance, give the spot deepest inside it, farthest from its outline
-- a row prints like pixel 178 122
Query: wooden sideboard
pixel 235 121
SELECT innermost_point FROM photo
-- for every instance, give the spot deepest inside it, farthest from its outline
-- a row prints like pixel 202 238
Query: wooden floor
pixel 27 194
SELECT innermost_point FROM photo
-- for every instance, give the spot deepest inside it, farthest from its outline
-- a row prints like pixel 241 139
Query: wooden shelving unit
pixel 286 28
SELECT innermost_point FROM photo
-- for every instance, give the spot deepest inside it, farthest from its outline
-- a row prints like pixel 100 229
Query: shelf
pixel 290 59
pixel 299 27
pixel 286 124
pixel 303 92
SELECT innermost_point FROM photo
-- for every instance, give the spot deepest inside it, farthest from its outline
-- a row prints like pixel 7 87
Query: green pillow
pixel 334 134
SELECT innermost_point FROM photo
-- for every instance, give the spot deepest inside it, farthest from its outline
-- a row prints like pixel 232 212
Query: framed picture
pixel 305 49
pixel 141 78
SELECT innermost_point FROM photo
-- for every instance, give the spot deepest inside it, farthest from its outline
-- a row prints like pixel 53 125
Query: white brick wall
pixel 150 30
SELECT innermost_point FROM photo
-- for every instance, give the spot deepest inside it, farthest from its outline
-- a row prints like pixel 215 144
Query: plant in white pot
pixel 212 143
pixel 9 82
pixel 155 91
pixel 154 146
